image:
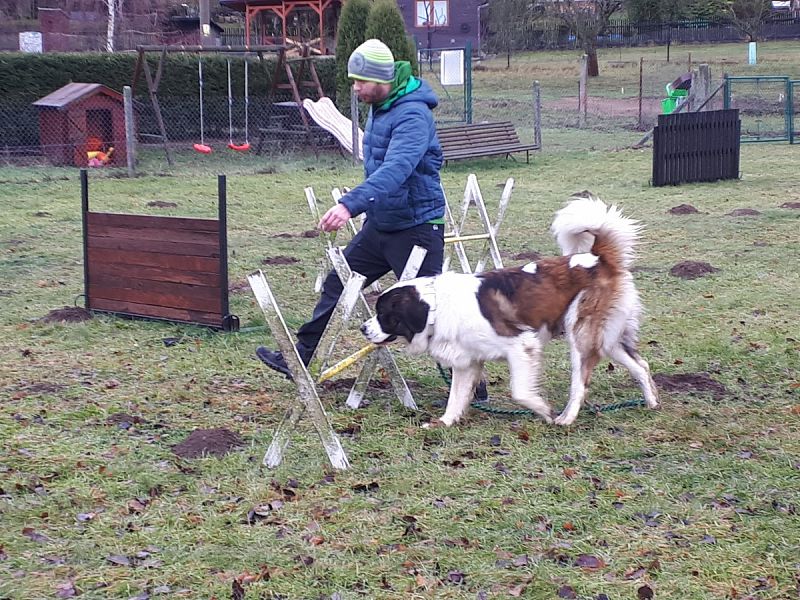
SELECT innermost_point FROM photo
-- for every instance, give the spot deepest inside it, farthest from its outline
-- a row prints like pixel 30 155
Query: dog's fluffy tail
pixel 587 224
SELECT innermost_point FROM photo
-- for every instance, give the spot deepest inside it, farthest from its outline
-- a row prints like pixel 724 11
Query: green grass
pixel 696 501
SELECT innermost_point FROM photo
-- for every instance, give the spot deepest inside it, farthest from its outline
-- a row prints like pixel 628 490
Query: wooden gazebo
pixel 327 13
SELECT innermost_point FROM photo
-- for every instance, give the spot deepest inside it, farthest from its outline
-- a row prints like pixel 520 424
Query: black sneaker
pixel 481 393
pixel 274 360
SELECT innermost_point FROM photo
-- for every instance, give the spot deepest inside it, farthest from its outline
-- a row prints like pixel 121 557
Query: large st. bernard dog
pixel 463 320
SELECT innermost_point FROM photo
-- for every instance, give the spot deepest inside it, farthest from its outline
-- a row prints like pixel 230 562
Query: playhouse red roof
pixel 72 92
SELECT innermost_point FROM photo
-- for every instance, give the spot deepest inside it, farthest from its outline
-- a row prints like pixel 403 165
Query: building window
pixel 432 13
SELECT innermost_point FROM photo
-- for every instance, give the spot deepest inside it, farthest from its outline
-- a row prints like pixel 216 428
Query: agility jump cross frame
pixel 307 379
pixel 455 238
pixel 328 239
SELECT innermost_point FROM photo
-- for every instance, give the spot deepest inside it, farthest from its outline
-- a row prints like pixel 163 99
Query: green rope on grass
pixel 483 406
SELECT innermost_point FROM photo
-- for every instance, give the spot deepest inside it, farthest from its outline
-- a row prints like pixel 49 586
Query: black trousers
pixel 373 254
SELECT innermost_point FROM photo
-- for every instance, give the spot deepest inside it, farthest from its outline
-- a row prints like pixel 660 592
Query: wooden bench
pixel 482 139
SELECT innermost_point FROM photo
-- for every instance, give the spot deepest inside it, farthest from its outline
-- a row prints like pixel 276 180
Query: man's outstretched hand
pixel 335 218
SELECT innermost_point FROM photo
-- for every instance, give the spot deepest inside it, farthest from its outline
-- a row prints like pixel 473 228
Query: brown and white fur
pixel 588 294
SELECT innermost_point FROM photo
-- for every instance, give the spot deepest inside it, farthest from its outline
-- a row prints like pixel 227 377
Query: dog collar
pixel 428 293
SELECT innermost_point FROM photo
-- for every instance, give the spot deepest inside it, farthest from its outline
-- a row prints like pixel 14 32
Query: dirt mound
pixel 124 420
pixel 528 255
pixel 744 212
pixel 279 260
pixel 690 383
pixel 683 209
pixel 162 204
pixel 790 205
pixel 68 314
pixel 690 269
pixel 311 233
pixel 238 286
pixel 208 442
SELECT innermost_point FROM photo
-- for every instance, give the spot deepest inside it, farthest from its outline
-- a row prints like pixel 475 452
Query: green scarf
pixel 404 83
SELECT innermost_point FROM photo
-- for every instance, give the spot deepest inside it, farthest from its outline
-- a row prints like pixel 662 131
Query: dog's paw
pixel 564 419
pixel 435 424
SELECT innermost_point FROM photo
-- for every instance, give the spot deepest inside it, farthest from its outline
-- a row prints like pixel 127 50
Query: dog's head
pixel 402 311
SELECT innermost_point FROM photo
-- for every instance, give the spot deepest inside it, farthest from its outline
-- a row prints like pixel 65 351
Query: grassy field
pixel 695 501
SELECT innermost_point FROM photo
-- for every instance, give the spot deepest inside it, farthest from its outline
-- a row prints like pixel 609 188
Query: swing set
pixel 281 71
pixel 204 148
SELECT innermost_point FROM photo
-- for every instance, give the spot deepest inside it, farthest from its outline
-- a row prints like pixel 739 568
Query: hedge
pixel 24 78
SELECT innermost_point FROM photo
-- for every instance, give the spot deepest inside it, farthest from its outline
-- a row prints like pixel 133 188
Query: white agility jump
pixel 353 303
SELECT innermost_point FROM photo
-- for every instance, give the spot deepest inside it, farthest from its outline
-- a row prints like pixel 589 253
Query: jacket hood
pixel 422 93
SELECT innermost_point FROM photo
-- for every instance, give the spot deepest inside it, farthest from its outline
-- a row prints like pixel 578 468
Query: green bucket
pixel 669 104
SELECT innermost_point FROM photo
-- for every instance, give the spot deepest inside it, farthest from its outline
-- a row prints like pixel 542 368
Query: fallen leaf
pixel 135 506
pixel 644 593
pixel 566 591
pixel 66 590
pixel 456 578
pixel 31 533
pixel 635 573
pixel 237 591
pixel 589 562
pixel 119 560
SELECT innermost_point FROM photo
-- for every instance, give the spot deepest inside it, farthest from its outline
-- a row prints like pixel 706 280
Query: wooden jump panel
pixel 169 268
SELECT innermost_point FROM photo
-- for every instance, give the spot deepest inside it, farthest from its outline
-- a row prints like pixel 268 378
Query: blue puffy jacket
pixel 402 158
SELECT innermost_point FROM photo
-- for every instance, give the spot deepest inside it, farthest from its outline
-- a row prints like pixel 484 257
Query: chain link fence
pixel 621 104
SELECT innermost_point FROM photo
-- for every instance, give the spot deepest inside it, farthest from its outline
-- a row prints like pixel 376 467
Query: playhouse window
pixel 432 13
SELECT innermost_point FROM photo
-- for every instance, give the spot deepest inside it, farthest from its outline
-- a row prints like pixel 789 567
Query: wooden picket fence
pixel 699 146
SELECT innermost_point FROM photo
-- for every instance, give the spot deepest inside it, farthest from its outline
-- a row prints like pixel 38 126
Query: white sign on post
pixel 30 41
pixel 452 67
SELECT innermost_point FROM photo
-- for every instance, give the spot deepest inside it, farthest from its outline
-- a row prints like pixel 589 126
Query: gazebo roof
pixel 241 5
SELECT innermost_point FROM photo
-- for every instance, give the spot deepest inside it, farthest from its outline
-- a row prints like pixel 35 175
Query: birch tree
pixel 114 12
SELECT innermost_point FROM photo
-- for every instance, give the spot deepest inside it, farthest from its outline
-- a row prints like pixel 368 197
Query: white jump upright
pixel 328 239
pixel 455 238
pixel 308 379
pixel 308 399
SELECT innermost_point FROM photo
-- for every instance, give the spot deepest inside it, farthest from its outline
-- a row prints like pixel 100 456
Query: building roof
pixel 193 23
pixel 72 92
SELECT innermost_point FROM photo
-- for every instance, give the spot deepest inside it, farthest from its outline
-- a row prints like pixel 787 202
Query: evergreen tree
pixel 350 35
pixel 385 22
pixel 707 9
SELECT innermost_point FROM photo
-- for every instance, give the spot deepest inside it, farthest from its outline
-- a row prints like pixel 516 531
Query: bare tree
pixel 428 18
pixel 508 20
pixel 18 9
pixel 586 20
pixel 748 16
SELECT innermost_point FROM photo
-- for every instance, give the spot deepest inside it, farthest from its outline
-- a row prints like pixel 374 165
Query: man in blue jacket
pixel 401 194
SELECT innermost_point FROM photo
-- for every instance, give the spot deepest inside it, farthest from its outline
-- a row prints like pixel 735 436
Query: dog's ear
pixel 415 318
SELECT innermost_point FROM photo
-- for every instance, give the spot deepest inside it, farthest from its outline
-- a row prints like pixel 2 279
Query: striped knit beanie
pixel 371 61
